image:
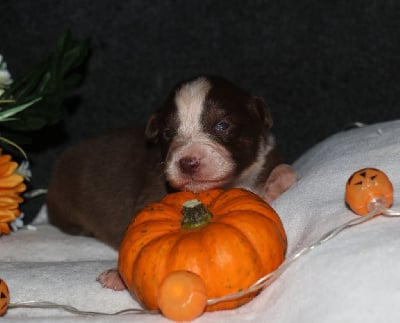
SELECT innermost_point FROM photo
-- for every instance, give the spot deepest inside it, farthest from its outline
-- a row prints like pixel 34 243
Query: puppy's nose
pixel 189 165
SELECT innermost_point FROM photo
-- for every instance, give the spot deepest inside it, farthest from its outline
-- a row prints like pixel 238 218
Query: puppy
pixel 208 133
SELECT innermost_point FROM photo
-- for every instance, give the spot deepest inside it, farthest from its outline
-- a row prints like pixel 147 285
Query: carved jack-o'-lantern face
pixel 366 186
pixel 4 297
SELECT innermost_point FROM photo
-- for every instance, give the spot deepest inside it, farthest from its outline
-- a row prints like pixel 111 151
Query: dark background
pixel 319 65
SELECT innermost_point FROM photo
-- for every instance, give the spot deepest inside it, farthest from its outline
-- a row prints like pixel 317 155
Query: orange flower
pixel 11 186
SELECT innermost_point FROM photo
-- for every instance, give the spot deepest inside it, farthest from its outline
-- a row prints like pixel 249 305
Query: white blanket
pixel 353 278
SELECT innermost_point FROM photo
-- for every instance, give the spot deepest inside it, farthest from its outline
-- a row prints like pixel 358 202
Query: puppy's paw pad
pixel 111 279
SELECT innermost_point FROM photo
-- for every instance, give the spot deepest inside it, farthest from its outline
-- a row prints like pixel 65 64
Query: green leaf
pixel 6 114
pixel 13 144
pixel 50 80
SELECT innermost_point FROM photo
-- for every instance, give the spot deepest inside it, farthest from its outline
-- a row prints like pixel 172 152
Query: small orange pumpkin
pixel 366 185
pixel 4 297
pixel 231 239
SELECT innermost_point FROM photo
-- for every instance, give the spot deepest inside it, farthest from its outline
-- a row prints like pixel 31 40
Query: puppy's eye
pixel 222 126
pixel 168 133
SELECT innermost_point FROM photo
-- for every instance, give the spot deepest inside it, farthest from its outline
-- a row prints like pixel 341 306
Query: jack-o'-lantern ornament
pixel 366 186
pixel 4 297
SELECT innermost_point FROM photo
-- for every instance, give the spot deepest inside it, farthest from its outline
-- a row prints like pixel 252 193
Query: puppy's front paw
pixel 280 180
pixel 111 279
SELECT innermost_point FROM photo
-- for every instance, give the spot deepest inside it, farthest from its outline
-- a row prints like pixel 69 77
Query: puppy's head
pixel 210 132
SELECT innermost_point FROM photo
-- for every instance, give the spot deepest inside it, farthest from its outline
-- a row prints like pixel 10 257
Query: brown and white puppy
pixel 209 133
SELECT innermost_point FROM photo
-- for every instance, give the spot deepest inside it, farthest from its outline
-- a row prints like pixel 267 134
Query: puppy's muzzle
pixel 198 165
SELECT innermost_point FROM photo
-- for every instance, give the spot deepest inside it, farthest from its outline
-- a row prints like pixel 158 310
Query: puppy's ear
pixel 152 128
pixel 260 107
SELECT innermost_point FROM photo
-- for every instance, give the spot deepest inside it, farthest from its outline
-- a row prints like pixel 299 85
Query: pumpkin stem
pixel 195 215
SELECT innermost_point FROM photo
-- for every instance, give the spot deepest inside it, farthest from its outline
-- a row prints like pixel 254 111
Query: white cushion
pixel 352 278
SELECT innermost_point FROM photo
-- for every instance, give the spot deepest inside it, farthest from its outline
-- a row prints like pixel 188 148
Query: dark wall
pixel 319 65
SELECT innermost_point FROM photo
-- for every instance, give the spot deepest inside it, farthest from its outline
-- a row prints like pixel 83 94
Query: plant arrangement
pixel 29 104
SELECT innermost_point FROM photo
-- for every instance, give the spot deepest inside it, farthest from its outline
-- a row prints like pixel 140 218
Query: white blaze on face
pixel 215 166
pixel 189 101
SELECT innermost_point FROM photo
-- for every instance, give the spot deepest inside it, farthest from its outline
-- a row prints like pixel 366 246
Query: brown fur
pixel 98 185
pixel 92 190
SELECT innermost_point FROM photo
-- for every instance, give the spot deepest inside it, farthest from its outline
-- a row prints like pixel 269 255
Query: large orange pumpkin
pixel 238 239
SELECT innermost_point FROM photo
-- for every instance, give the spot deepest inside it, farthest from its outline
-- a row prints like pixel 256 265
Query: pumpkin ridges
pixel 156 212
pixel 175 200
pixel 189 253
pixel 208 198
pixel 241 203
pixel 242 270
pixel 166 208
pixel 272 250
pixel 222 272
pixel 135 238
pixel 177 251
pixel 156 260
pixel 150 268
pixel 228 196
